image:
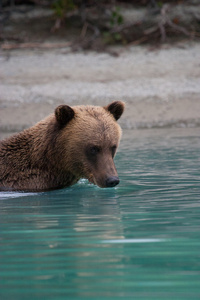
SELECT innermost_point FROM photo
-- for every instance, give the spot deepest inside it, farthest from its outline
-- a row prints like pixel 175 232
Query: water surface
pixel 140 240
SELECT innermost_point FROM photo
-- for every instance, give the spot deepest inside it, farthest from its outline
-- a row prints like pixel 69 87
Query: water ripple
pixel 139 240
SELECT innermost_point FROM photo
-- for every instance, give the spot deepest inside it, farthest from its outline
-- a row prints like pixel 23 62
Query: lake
pixel 139 240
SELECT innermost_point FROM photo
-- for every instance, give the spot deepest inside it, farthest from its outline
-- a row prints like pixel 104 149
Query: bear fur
pixel 74 142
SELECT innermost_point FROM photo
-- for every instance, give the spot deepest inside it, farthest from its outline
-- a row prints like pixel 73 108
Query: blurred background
pixel 145 52
pixel 93 24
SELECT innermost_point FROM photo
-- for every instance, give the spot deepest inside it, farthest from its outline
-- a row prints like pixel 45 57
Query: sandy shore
pixel 161 88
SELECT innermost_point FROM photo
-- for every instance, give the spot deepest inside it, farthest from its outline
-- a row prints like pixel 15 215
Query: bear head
pixel 89 137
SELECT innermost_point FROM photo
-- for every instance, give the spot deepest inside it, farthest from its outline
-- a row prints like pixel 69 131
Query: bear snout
pixel 105 182
pixel 112 181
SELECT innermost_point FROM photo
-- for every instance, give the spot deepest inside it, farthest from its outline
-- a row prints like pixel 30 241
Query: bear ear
pixel 116 109
pixel 64 114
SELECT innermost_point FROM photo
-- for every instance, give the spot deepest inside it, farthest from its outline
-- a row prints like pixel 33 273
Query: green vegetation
pixel 61 7
pixel 100 22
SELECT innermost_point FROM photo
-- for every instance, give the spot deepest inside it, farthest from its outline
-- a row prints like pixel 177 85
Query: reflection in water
pixel 139 240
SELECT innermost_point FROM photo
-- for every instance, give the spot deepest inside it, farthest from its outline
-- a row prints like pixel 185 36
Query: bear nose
pixel 112 181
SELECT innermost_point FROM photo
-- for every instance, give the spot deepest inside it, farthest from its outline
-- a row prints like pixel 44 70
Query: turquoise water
pixel 140 240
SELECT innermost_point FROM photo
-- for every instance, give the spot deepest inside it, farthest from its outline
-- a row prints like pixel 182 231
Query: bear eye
pixel 94 150
pixel 113 150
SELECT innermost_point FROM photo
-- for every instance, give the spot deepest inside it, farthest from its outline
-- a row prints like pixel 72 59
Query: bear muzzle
pixel 103 173
pixel 107 182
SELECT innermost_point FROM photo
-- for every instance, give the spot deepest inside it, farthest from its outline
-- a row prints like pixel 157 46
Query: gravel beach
pixel 161 87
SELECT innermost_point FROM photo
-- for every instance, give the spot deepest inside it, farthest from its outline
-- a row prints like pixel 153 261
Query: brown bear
pixel 74 142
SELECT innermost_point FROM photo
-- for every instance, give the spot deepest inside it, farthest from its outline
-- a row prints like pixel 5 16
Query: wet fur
pixel 51 154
